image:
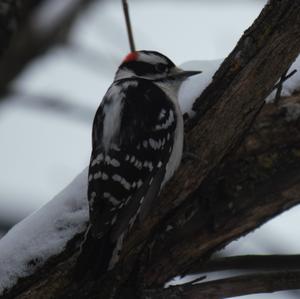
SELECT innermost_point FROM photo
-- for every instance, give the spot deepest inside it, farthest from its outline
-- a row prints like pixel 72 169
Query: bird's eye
pixel 160 67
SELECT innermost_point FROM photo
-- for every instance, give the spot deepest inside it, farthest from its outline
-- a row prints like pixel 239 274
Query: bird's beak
pixel 181 74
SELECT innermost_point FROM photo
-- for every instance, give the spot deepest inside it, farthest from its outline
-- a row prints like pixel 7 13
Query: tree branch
pixel 33 41
pixel 235 97
pixel 231 287
pixel 249 262
pixel 13 15
pixel 259 182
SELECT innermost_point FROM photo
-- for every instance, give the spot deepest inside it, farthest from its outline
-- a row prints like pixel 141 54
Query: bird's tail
pixel 94 256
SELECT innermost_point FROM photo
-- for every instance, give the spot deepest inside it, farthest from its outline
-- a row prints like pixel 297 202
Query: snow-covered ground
pixel 42 151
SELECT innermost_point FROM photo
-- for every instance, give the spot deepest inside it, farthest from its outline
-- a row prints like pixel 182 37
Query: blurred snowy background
pixel 45 127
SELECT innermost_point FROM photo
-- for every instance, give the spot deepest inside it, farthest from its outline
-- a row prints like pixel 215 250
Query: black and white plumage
pixel 137 145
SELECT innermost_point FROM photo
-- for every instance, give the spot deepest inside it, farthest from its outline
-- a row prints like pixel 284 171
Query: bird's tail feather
pixel 94 256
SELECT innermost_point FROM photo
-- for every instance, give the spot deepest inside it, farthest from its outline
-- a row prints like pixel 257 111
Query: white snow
pixel 193 86
pixel 44 233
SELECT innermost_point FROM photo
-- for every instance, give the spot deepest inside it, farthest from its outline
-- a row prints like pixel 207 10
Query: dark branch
pixel 61 106
pixel 31 42
pixel 249 262
pixel 279 85
pixel 231 287
pixel 13 15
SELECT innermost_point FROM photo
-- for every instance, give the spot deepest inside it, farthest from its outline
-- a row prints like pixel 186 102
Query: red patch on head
pixel 131 57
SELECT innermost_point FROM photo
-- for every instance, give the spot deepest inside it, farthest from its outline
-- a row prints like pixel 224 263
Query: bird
pixel 137 144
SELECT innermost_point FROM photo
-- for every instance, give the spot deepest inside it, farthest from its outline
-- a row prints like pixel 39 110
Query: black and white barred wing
pixel 130 154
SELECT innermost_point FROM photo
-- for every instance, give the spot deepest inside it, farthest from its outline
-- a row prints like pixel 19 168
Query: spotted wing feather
pixel 133 158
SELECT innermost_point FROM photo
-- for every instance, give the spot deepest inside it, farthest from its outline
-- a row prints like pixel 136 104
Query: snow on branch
pixel 43 234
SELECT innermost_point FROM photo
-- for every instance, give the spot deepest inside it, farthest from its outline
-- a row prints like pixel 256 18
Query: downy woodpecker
pixel 137 143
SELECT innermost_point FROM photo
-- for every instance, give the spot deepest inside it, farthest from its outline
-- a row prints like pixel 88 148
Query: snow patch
pixel 193 86
pixel 44 233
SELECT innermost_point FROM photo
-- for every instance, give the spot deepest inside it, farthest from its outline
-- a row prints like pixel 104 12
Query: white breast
pixel 176 155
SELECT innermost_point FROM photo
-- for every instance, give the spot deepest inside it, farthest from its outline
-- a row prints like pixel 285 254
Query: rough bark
pixel 238 90
pixel 257 183
pixel 209 202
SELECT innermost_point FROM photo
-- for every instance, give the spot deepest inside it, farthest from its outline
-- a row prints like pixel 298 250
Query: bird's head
pixel 152 65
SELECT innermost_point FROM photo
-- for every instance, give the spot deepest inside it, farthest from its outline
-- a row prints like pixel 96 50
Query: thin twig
pixel 279 85
pixel 249 262
pixel 128 25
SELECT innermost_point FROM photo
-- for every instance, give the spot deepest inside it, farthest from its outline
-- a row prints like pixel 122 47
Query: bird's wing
pixel 128 166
